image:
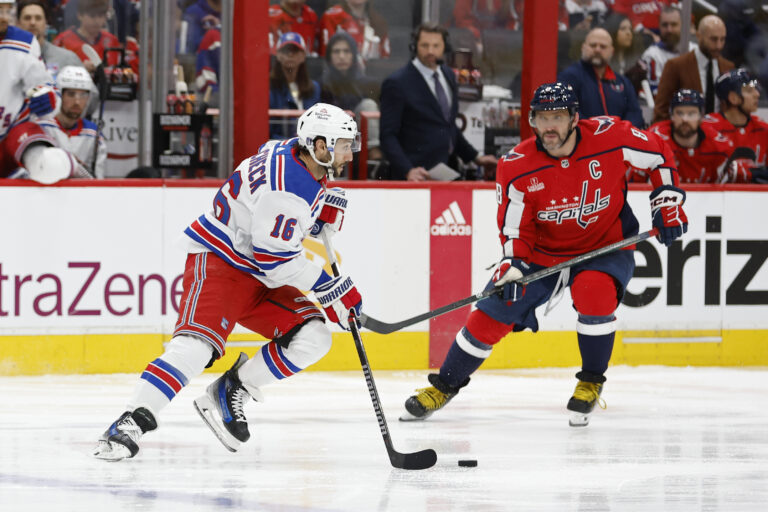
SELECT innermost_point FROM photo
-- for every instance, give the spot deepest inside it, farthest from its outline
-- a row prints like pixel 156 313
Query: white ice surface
pixel 671 439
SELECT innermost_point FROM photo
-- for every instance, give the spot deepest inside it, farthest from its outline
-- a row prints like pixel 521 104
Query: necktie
pixel 709 92
pixel 442 98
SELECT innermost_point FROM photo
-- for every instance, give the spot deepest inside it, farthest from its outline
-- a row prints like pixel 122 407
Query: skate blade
pixel 578 419
pixel 111 452
pixel 204 408
pixel 406 416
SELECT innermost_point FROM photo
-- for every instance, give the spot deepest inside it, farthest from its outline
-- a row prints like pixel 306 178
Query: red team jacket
pixel 753 135
pixel 306 24
pixel 71 40
pixel 552 209
pixel 336 18
pixel 702 164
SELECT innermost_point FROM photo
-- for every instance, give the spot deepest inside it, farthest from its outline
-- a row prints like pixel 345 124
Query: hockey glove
pixel 332 214
pixel 759 175
pixel 42 100
pixel 508 272
pixel 338 297
pixel 667 212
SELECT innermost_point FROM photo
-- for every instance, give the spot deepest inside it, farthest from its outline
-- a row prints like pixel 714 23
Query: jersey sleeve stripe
pixel 642 159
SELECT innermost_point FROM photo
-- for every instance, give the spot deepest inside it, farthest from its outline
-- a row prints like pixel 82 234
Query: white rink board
pixel 124 233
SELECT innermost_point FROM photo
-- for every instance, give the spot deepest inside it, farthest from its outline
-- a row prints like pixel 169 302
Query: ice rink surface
pixel 671 439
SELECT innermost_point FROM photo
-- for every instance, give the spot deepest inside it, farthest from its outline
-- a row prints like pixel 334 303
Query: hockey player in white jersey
pixel 27 92
pixel 71 132
pixel 246 265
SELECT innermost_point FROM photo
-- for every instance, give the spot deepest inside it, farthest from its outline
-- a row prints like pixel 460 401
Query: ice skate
pixel 583 401
pixel 121 440
pixel 428 400
pixel 221 407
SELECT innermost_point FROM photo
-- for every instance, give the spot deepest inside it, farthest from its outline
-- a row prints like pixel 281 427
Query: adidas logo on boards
pixel 451 223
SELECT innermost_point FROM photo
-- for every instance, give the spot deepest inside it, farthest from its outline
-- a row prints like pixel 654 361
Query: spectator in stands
pixel 294 16
pixel 697 69
pixel 198 18
pixel 643 14
pixel 626 47
pixel 289 84
pixel 343 84
pixel 599 89
pixel 739 95
pixel 33 17
pixel 585 14
pixel 361 21
pixel 700 151
pixel 418 123
pixel 656 56
pixel 478 16
pixel 207 63
pixel 78 136
pixel 92 17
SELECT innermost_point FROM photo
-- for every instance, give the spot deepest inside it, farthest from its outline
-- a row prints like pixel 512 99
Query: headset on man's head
pixel 430 27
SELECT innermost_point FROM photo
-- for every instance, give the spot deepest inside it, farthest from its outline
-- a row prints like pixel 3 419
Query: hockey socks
pixel 596 335
pixel 281 358
pixel 185 357
pixel 465 356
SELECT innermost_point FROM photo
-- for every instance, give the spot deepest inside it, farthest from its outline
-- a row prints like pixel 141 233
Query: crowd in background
pixel 613 52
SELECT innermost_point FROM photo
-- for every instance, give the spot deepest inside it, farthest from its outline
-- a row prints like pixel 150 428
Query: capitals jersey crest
pixel 552 209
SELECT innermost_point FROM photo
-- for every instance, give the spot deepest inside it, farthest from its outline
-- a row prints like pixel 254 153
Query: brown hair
pixel 40 3
pixel 277 79
pixel 92 7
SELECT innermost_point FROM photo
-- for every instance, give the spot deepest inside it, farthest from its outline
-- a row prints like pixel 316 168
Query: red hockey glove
pixel 668 215
pixel 508 272
pixel 42 100
pixel 338 297
pixel 332 214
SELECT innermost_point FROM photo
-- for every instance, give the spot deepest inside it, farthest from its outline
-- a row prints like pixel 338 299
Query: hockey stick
pixel 103 88
pixel 386 328
pixel 417 460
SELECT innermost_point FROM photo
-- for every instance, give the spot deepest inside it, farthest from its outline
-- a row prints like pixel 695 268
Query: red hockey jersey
pixel 702 164
pixel 753 135
pixel 371 44
pixel 73 41
pixel 305 24
pixel 552 209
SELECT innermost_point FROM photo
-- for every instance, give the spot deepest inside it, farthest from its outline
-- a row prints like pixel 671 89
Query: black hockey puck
pixel 468 463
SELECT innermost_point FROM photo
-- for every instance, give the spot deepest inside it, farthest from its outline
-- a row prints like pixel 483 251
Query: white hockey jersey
pixel 80 141
pixel 261 215
pixel 22 69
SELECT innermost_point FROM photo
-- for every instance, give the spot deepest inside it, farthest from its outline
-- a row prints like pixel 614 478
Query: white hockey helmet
pixel 74 77
pixel 329 122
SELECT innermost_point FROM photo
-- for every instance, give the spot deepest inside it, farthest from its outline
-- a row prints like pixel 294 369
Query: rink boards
pixel 90 277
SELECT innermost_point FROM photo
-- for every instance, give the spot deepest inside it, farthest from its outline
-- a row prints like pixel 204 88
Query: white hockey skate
pixel 221 407
pixel 121 440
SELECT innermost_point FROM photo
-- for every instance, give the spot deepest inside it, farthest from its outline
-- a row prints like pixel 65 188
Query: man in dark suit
pixel 697 69
pixel 419 105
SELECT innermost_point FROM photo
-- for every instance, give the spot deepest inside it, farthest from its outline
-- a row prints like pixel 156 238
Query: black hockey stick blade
pixel 380 327
pixel 424 459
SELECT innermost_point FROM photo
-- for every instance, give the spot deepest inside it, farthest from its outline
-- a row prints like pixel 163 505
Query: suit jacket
pixel 414 132
pixel 681 73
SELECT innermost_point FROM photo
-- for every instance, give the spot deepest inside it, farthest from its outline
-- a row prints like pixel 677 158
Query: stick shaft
pixel 386 328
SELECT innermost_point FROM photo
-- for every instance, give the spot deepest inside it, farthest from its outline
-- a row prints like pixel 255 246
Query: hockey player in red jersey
pixel 701 152
pixel 738 92
pixel 562 193
pixel 246 265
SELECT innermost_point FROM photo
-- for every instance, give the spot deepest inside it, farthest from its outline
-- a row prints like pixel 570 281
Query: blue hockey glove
pixel 42 100
pixel 508 272
pixel 668 215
